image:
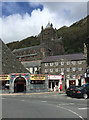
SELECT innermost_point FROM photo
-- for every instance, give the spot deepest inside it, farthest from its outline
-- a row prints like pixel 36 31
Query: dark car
pixel 70 90
pixel 82 91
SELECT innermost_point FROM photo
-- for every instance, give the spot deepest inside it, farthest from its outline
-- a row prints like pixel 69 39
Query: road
pixel 52 105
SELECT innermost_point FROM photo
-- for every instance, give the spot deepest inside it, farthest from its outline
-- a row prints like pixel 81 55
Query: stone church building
pixel 50 45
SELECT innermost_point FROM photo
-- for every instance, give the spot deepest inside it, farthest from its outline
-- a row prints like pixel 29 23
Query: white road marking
pixel 71 103
pixel 67 104
pixel 64 104
pixel 69 98
pixel 22 100
pixel 43 101
pixel 83 108
pixel 3 98
pixel 72 112
pixel 63 94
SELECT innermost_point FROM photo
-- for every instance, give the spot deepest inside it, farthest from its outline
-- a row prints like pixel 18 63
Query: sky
pixel 20 20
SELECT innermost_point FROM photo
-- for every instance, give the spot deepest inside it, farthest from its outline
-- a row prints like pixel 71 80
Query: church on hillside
pixel 50 45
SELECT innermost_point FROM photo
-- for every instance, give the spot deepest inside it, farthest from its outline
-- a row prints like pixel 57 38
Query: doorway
pixel 19 85
pixel 72 82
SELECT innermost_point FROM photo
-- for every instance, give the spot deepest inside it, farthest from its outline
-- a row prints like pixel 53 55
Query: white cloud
pixel 16 27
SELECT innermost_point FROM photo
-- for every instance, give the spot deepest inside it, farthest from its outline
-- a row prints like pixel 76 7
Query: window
pixel 56 63
pixel 51 64
pixel 37 84
pixel 68 76
pixel 79 62
pixel 35 69
pixel 80 69
pixel 56 69
pixel 51 70
pixel 62 63
pixel 68 69
pixel 73 68
pixel 62 69
pixel 74 76
pixel 46 64
pixel 62 59
pixel 68 63
pixel 73 62
pixel 31 70
pixel 46 70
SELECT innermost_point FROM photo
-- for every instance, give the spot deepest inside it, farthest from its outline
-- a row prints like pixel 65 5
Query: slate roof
pixel 9 62
pixel 77 56
pixel 27 48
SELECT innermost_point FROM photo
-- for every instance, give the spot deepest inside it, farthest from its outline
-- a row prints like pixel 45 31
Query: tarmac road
pixel 52 105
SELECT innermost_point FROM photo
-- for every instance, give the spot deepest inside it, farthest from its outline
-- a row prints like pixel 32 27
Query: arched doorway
pixel 19 85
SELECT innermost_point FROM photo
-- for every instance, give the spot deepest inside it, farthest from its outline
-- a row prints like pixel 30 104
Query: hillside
pixel 73 38
pixel 30 41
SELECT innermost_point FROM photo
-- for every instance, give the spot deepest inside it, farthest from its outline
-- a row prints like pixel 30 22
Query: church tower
pixel 49 40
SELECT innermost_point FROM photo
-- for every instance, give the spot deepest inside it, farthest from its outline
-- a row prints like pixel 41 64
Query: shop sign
pixel 54 77
pixel 37 77
pixel 4 77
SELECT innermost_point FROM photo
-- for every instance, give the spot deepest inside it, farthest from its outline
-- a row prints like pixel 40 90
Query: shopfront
pixel 71 82
pixel 38 82
pixel 55 82
pixel 4 82
pixel 23 83
pixel 19 82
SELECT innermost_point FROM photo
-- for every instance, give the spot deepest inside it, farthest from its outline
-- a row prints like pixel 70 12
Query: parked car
pixel 70 89
pixel 82 91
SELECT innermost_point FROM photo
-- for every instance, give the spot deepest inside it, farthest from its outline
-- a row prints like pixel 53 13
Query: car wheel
pixel 85 96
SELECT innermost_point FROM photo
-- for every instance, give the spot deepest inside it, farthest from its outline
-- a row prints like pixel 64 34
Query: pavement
pixel 7 94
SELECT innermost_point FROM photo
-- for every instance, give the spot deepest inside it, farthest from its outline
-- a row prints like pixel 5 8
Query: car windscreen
pixel 79 88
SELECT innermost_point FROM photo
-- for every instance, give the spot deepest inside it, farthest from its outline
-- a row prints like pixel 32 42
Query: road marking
pixel 63 94
pixel 3 98
pixel 69 98
pixel 67 104
pixel 22 100
pixel 43 101
pixel 71 103
pixel 83 108
pixel 64 104
pixel 72 112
